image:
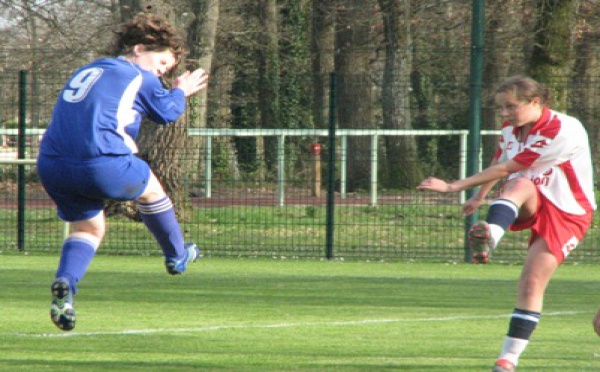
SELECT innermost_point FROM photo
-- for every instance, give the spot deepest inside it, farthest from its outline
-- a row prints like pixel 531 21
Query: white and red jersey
pixel 557 155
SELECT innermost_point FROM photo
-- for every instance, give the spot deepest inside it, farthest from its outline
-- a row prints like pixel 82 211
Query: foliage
pixel 264 70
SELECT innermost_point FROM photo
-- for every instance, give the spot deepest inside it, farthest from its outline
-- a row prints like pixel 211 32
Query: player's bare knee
pixel 153 192
pixel 519 184
pixel 151 197
pixel 94 237
pixel 521 191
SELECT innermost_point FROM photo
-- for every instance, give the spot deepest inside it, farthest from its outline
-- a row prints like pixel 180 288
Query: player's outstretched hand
pixel 435 184
pixel 597 322
pixel 191 82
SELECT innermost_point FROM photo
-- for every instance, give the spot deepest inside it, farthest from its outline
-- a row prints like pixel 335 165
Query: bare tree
pixel 551 61
pixel 354 94
pixel 508 43
pixel 585 97
pixel 268 76
pixel 395 99
pixel 321 45
pixel 169 150
pixel 128 9
pixel 201 36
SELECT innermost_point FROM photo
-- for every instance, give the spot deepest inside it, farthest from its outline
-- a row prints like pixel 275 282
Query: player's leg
pixel 62 181
pixel 597 322
pixel 518 199
pixel 158 214
pixel 79 249
pixel 540 265
pixel 77 253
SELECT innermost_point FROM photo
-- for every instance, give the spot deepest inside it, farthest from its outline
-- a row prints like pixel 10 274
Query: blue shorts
pixel 80 187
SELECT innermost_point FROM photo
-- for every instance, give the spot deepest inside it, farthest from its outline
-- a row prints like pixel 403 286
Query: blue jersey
pixel 100 109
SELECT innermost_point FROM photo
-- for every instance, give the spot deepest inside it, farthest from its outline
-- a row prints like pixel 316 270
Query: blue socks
pixel 501 215
pixel 159 217
pixel 77 254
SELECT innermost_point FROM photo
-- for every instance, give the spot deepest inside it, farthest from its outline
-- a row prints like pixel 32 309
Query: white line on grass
pixel 278 325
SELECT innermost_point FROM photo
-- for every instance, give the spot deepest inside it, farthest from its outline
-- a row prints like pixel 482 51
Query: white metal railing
pixel 17 161
pixel 66 226
pixel 209 133
pixel 281 134
pixel 28 131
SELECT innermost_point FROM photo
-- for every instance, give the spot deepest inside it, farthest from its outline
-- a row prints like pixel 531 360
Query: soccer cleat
pixel 62 312
pixel 192 253
pixel 481 242
pixel 503 365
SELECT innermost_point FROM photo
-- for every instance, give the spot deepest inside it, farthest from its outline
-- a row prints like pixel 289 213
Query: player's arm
pixel 471 205
pixel 488 177
pixel 164 106
pixel 486 187
pixel 157 103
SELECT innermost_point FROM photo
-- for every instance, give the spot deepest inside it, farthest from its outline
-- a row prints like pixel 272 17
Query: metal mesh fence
pixel 264 193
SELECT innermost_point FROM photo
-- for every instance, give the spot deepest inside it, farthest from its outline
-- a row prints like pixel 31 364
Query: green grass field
pixel 273 315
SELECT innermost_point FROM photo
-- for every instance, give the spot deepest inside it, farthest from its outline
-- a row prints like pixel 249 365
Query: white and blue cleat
pixel 192 253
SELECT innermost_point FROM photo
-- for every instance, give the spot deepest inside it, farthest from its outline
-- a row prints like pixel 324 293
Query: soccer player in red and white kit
pixel 545 157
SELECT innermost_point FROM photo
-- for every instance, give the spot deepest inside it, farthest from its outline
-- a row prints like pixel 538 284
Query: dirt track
pixel 36 197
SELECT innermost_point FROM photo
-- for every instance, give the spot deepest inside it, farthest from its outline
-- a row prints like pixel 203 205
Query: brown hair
pixel 151 31
pixel 525 89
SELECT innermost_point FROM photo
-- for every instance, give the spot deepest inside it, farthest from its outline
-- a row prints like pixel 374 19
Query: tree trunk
pixel 586 105
pixel 505 42
pixel 552 52
pixel 396 94
pixel 268 78
pixel 201 38
pixel 354 87
pixel 129 8
pixel 164 148
pixel 321 43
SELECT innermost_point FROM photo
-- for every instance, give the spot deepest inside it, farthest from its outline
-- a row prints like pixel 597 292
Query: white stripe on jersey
pixel 126 115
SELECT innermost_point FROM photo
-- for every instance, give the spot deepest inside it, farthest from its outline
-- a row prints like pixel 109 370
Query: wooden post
pixel 315 150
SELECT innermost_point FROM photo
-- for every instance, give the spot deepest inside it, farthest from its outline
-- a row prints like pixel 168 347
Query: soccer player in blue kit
pixel 87 155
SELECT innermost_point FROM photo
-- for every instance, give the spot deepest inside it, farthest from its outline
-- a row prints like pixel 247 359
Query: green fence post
pixel 21 155
pixel 475 93
pixel 331 171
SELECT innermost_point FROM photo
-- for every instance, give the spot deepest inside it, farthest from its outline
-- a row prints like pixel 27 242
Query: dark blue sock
pixel 76 256
pixel 503 213
pixel 522 324
pixel 159 217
